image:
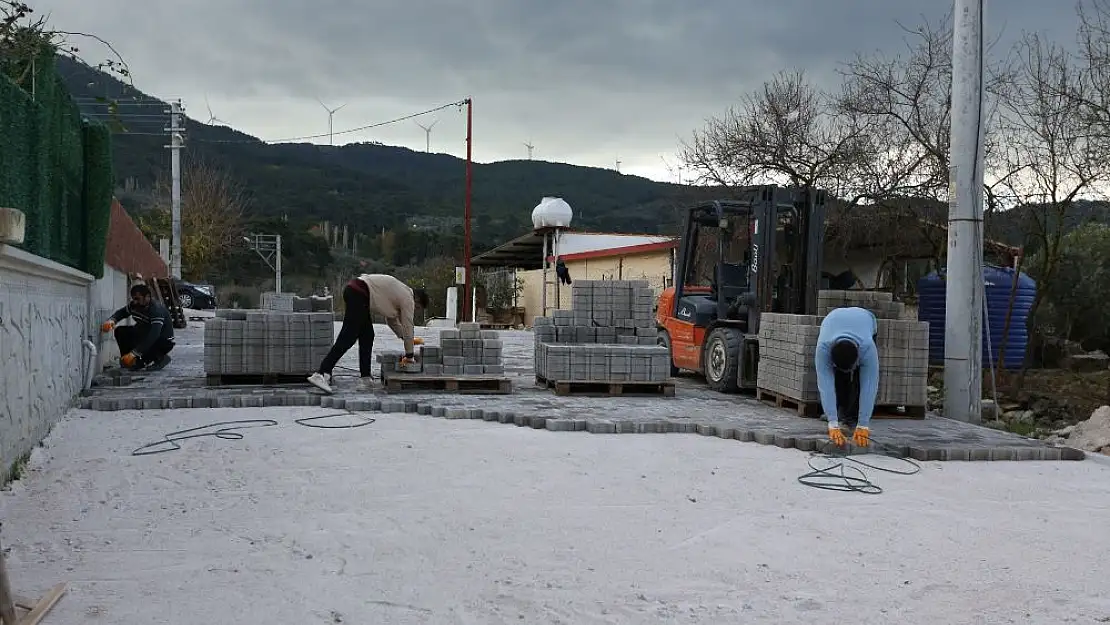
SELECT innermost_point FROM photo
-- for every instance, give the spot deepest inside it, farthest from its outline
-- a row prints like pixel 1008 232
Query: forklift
pixel 760 252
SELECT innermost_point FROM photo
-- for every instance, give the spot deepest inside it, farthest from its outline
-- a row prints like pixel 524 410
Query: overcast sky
pixel 584 81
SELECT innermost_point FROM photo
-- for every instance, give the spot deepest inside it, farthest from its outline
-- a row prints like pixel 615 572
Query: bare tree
pixel 912 94
pixel 788 131
pixel 212 207
pixel 1047 146
pixel 1090 89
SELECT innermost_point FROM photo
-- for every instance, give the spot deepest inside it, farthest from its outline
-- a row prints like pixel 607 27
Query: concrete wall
pixel 44 314
pixel 655 267
pixel 108 294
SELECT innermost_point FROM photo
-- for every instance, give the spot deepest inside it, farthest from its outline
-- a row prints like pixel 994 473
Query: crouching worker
pixel 848 371
pixel 148 343
pixel 362 297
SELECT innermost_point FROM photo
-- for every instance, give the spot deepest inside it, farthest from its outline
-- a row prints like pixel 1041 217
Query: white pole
pixel 277 286
pixel 963 336
pixel 176 144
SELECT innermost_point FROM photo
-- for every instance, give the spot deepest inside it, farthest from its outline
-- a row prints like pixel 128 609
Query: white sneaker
pixel 366 384
pixel 321 382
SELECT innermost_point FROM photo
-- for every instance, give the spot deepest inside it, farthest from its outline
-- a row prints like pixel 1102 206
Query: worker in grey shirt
pixel 147 344
pixel 847 360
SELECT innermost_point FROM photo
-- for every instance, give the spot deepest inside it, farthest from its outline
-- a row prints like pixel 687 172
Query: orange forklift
pixel 759 252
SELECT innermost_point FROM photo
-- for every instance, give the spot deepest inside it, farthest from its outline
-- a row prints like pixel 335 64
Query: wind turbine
pixel 618 164
pixel 212 116
pixel 331 117
pixel 427 134
pixel 530 148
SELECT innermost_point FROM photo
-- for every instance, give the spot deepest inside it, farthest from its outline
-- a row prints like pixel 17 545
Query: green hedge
pixel 57 169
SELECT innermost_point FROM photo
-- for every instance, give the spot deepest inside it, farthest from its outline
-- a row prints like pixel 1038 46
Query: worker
pixel 848 371
pixel 362 297
pixel 147 344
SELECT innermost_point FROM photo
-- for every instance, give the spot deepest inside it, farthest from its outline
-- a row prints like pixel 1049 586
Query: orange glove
pixel 128 359
pixel 107 326
pixel 418 341
pixel 836 436
pixel 862 436
pixel 405 361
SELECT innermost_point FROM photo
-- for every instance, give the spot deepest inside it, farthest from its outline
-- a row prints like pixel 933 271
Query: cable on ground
pixel 230 430
pixel 841 472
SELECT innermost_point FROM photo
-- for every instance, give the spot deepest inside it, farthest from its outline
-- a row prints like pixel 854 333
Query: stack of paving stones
pixel 466 351
pixel 881 304
pixel 787 353
pixel 288 302
pixel 608 335
pixel 266 342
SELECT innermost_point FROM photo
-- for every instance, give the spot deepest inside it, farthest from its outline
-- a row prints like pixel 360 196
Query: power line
pixel 339 132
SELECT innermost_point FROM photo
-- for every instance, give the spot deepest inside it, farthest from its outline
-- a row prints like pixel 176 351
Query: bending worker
pixel 148 343
pixel 848 371
pixel 363 296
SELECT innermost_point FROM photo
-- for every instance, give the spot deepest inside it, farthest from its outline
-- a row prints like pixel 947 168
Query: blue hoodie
pixel 859 326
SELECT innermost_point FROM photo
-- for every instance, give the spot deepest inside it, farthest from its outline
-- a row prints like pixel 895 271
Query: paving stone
pixel 765 437
pixel 474 413
pixel 706 430
pixel 785 442
pixel 560 425
pixel 227 401
pixel 439 412
pixel 1003 453
pixel 957 454
pixel 180 402
pixel 507 417
pixel 491 415
pixel 457 413
pixel 601 426
pixel 424 409
pixel 392 406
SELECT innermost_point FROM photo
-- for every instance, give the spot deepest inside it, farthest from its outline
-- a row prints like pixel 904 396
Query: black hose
pixel 230 430
pixel 842 472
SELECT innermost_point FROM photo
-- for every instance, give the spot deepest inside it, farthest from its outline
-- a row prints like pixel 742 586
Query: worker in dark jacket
pixel 147 344
pixel 848 371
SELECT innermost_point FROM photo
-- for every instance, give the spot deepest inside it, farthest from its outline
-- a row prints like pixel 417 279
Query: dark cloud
pixel 586 80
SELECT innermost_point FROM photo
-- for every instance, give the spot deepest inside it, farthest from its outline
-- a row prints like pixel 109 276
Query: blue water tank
pixel 931 291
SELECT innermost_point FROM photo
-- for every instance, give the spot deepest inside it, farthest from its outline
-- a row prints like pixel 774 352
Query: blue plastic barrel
pixel 931 291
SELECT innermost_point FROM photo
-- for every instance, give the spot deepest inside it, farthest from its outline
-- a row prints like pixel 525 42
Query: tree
pixel 788 131
pixel 212 206
pixel 24 39
pixel 1082 276
pixel 1047 151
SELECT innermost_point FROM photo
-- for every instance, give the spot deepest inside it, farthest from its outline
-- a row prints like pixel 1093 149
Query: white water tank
pixel 552 212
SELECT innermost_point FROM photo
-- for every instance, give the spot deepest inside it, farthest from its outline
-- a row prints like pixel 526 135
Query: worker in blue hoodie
pixel 848 371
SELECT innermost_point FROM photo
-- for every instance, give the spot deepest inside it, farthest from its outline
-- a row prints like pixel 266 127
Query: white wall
pixel 43 319
pixel 109 294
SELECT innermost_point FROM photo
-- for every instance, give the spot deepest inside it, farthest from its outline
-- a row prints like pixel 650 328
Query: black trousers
pixel 357 326
pixel 128 338
pixel 847 396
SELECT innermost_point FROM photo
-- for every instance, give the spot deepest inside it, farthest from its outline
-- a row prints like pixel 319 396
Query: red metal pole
pixel 467 307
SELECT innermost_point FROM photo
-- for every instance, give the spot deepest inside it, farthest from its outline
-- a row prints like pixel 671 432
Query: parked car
pixel 196 296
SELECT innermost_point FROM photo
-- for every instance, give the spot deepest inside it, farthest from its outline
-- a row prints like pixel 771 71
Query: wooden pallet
pixel 608 389
pixel 267 379
pixel 166 290
pixel 466 384
pixel 813 410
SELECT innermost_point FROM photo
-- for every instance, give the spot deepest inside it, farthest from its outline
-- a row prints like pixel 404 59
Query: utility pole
pixel 963 331
pixel 467 295
pixel 177 143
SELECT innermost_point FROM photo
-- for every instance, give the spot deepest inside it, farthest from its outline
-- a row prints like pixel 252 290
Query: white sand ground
pixel 415 520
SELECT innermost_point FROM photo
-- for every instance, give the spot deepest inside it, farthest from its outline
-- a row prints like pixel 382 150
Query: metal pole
pixel 277 286
pixel 466 216
pixel 963 336
pixel 176 144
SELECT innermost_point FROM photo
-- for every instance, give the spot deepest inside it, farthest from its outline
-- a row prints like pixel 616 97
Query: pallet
pixel 35 610
pixel 608 389
pixel 466 385
pixel 267 379
pixel 813 410
pixel 166 290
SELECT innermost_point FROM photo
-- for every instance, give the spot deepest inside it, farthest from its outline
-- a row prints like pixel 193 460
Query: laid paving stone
pixel 703 411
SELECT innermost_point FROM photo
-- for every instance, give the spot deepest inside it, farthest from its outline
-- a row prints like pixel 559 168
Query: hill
pixel 366 186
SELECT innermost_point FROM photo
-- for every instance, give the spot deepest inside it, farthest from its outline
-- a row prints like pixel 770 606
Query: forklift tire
pixel 721 360
pixel 665 341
